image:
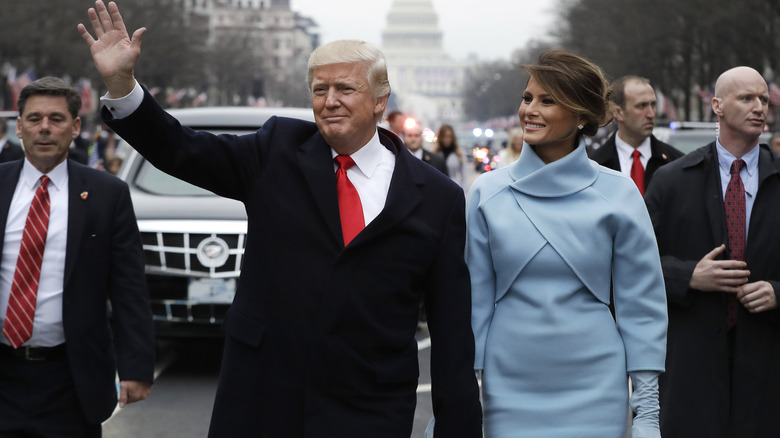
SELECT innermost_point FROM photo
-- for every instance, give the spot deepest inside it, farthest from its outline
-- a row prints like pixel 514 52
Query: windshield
pixel 153 180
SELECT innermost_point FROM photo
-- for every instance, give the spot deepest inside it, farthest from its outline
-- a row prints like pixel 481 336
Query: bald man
pixel 720 246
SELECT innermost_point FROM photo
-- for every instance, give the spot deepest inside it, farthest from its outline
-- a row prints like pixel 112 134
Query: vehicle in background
pixel 193 240
pixel 9 118
pixel 688 136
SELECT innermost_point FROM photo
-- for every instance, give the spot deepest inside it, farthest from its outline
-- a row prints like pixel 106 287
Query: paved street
pixel 183 394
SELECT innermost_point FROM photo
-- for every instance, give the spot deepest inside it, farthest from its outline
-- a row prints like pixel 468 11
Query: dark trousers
pixel 38 400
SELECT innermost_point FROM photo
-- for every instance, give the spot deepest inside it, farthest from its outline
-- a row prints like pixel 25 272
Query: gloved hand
pixel 644 402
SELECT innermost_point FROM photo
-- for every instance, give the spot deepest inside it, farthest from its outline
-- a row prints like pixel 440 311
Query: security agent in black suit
pixel 9 150
pixel 61 380
pixel 634 103
pixel 414 143
pixel 320 338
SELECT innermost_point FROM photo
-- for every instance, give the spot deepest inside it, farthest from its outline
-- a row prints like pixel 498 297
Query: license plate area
pixel 211 290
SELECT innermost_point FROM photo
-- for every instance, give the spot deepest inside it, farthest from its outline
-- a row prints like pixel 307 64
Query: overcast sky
pixel 492 32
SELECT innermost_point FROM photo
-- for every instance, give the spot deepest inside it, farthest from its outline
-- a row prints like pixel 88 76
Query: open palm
pixel 114 52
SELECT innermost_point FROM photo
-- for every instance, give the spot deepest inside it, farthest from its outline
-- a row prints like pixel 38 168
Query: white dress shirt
pixel 47 325
pixel 624 151
pixel 371 174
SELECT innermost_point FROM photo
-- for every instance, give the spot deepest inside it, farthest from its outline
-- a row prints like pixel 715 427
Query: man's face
pixel 345 109
pixel 397 124
pixel 46 129
pixel 743 106
pixel 636 120
pixel 413 138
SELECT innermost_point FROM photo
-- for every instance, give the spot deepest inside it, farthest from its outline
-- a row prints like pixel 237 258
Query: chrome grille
pixel 171 247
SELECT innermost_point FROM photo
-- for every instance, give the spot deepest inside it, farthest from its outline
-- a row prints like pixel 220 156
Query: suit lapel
pixel 657 159
pixel 767 165
pixel 403 196
pixel 315 161
pixel 611 160
pixel 713 196
pixel 77 214
pixel 9 178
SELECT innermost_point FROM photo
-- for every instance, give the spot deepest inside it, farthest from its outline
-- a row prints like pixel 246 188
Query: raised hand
pixel 114 52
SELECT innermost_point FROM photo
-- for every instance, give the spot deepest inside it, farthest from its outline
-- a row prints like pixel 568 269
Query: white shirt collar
pixel 368 157
pixel 625 150
pixel 58 176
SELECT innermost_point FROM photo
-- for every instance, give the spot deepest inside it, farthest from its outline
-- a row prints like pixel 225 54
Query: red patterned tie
pixel 350 208
pixel 638 172
pixel 24 289
pixel 735 222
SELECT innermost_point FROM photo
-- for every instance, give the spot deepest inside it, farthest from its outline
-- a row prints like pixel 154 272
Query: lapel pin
pixel 84 195
pixel 664 156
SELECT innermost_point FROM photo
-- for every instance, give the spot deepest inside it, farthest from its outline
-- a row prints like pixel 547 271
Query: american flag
pixel 16 83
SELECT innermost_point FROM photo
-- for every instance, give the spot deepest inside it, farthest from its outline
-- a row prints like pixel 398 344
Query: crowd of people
pixel 562 276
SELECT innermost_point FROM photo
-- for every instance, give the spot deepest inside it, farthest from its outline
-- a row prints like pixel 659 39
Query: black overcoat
pixel 685 203
pixel 321 337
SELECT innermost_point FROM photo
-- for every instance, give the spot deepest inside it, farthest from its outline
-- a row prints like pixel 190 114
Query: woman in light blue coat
pixel 548 237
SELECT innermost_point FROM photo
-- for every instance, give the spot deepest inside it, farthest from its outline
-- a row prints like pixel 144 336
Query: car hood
pixel 148 206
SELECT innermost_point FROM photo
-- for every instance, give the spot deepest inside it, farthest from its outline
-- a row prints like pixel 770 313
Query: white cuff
pixel 124 106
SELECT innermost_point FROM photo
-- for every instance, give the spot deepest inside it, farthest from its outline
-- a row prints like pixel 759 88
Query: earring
pixel 580 127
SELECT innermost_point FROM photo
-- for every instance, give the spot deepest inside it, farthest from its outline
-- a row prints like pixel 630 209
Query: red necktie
pixel 735 222
pixel 24 289
pixel 350 208
pixel 638 172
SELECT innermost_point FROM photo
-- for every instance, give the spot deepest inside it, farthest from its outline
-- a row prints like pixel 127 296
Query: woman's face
pixel 446 138
pixel 545 122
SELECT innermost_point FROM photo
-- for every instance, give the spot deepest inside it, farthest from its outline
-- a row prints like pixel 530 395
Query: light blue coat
pixel 587 224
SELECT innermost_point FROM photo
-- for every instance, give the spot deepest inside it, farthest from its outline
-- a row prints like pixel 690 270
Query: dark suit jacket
pixel 436 161
pixel 686 206
pixel 661 153
pixel 11 151
pixel 321 338
pixel 104 262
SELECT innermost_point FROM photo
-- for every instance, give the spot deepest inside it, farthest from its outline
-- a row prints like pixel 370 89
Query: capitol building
pixel 426 83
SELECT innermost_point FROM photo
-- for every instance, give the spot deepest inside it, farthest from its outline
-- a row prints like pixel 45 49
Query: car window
pixel 153 180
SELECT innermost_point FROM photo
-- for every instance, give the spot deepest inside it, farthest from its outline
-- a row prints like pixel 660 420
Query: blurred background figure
pixel 414 142
pixel 9 150
pixel 633 149
pixel 113 164
pixel 395 122
pixel 774 142
pixel 447 147
pixel 511 152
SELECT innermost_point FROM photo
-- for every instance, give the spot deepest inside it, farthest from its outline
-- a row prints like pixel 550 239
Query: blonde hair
pixel 511 153
pixel 349 51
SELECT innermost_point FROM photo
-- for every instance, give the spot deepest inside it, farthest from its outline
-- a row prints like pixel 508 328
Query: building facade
pixel 426 82
pixel 277 39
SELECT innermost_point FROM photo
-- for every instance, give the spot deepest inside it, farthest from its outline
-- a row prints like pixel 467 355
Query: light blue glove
pixel 644 402
pixel 429 429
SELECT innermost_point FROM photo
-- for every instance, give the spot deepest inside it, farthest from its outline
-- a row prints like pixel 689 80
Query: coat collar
pixel 403 195
pixel 78 207
pixel 570 174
